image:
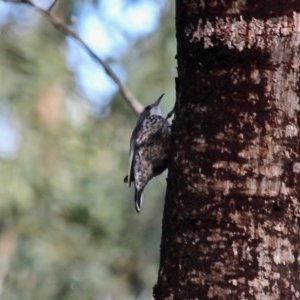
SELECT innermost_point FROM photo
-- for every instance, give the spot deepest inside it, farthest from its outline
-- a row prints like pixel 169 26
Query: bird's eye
pixel 147 108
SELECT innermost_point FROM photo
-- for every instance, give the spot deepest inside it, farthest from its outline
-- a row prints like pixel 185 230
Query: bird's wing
pixel 139 138
pixel 131 159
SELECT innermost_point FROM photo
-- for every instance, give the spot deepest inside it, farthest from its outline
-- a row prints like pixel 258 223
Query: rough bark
pixel 231 219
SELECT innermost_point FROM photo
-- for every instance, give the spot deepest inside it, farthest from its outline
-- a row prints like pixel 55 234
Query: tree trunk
pixel 231 219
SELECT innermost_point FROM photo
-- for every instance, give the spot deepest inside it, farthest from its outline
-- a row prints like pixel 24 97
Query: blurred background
pixel 68 227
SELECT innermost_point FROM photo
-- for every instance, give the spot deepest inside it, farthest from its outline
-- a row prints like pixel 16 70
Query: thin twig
pixel 135 105
pixel 52 5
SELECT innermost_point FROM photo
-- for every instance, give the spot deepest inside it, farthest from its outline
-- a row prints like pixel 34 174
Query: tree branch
pixel 52 5
pixel 134 104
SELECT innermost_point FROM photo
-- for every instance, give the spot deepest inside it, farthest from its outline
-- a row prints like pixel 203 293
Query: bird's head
pixel 151 110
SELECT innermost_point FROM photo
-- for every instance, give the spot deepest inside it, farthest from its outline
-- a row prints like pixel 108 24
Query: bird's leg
pixel 171 113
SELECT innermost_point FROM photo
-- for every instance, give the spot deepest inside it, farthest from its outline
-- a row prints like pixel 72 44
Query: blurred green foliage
pixel 68 225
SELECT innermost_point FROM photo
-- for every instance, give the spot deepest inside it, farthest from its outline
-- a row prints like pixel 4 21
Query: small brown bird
pixel 149 149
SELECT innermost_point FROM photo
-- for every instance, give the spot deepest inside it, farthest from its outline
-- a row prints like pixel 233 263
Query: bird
pixel 149 149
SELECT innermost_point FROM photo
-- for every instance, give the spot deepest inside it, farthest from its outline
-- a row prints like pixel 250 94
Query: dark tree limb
pixel 231 217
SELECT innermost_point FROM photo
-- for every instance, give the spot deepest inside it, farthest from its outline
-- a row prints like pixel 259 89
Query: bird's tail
pixel 138 199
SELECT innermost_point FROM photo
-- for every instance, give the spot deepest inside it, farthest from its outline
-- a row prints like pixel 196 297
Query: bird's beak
pixel 156 103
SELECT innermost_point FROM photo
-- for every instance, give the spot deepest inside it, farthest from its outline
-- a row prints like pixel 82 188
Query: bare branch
pixel 52 5
pixel 135 105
